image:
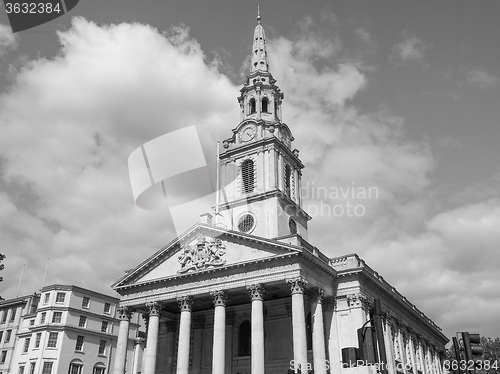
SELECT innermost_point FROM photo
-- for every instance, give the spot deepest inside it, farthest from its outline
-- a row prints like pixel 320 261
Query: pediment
pixel 203 248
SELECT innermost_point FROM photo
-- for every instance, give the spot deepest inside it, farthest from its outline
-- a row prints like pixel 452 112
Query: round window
pixel 293 226
pixel 246 223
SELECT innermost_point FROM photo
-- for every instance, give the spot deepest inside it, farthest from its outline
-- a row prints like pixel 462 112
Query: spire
pixel 259 52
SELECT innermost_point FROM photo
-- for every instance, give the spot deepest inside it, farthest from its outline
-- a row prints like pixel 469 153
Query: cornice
pixel 168 250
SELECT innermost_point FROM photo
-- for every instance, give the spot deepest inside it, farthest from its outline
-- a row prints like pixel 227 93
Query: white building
pixel 72 330
pixel 250 294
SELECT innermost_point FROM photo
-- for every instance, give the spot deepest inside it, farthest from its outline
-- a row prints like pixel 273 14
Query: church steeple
pixel 259 51
pixel 259 167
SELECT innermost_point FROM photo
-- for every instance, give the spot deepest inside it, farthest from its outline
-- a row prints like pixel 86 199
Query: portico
pixel 253 312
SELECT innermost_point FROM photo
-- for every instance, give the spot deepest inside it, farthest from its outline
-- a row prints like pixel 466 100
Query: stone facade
pixel 244 291
pixel 67 329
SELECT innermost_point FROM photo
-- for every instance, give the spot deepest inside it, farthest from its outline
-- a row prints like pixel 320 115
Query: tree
pixel 491 353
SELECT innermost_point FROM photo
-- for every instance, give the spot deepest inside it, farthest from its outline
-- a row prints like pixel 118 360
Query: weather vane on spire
pixel 258 13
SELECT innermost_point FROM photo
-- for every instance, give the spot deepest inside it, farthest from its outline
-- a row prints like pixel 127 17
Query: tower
pixel 259 168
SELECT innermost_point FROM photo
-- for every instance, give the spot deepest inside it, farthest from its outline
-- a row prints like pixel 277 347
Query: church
pixel 243 291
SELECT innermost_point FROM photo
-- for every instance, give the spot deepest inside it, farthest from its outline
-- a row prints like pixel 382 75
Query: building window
pixel 38 339
pixel 85 302
pixel 52 343
pixel 75 367
pixel 245 338
pixel 104 326
pixel 252 106
pixel 7 336
pixel 60 297
pixel 32 322
pixel 46 298
pixel 293 226
pixel 246 223
pixel 247 176
pixel 1 335
pixel 288 180
pixel 102 347
pixel 265 105
pixel 32 367
pixel 26 345
pixel 47 367
pixel 57 317
pixel 99 368
pixel 309 331
pixel 79 343
pixel 107 308
pixel 82 322
pixel 3 356
pixel 4 316
pixel 13 315
pixel 42 318
pixel 276 109
pixel 21 369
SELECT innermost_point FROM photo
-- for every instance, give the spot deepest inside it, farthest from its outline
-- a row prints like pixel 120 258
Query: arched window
pixel 99 368
pixel 265 105
pixel 309 335
pixel 245 339
pixel 276 109
pixel 247 176
pixel 288 180
pixel 75 366
pixel 252 106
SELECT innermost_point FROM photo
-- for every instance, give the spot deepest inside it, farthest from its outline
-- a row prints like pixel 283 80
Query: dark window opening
pixel 288 176
pixel 265 105
pixel 247 176
pixel 309 338
pixel 245 342
pixel 252 106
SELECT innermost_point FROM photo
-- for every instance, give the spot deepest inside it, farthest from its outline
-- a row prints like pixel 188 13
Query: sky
pixel 398 96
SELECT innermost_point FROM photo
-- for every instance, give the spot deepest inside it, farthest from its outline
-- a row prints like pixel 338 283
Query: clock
pixel 248 133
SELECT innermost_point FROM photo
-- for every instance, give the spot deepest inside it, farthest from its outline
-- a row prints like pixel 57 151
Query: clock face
pixel 248 133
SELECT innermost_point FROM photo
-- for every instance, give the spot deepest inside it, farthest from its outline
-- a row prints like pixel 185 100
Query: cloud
pixel 64 182
pixel 7 39
pixel 480 78
pixel 410 49
pixel 454 263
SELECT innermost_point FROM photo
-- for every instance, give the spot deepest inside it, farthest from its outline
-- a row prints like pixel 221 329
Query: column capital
pixel 185 303
pixel 124 313
pixel 257 291
pixel 219 297
pixel 297 285
pixel 154 308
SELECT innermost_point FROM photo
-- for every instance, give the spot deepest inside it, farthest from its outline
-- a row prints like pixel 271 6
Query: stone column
pixel 219 345
pixel 124 315
pixel 318 332
pixel 137 349
pixel 185 305
pixel 152 338
pixel 389 345
pixel 297 286
pixel 257 349
pixel 145 317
